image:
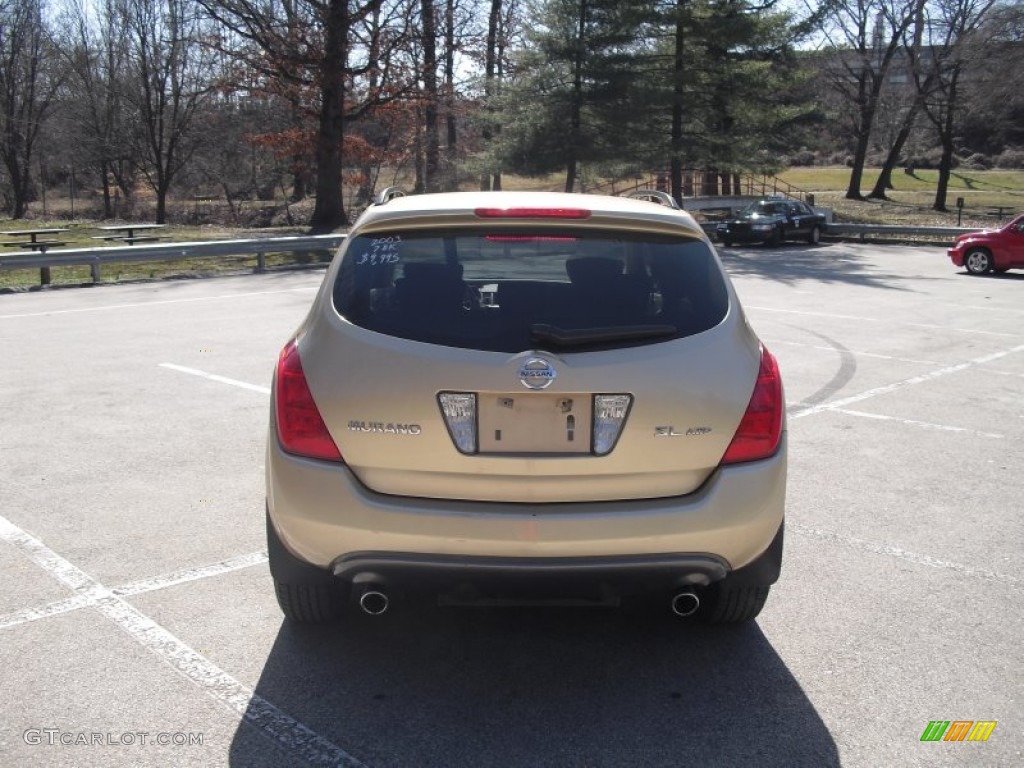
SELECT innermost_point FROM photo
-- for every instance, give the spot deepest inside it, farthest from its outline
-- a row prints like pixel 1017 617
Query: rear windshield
pixel 763 209
pixel 514 291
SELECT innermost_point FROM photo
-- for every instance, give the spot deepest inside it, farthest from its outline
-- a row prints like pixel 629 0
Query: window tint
pixel 512 291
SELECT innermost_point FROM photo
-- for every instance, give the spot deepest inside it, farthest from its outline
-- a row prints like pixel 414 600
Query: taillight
pixel 758 434
pixel 300 428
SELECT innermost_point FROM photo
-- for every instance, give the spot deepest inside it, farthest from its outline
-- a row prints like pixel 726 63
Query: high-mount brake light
pixel 532 213
pixel 530 239
pixel 760 430
pixel 300 427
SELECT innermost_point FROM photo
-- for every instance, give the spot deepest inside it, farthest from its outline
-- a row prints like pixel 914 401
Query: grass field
pixel 912 200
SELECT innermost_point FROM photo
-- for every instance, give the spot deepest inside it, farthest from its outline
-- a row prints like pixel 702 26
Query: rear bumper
pixel 743 235
pixel 539 576
pixel 325 517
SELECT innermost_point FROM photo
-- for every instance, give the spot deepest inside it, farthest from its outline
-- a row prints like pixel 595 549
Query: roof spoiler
pixel 386 194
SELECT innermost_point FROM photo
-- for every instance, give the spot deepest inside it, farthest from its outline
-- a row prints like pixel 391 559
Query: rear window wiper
pixel 564 337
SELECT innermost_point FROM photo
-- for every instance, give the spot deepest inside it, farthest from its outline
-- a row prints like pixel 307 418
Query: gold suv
pixel 525 397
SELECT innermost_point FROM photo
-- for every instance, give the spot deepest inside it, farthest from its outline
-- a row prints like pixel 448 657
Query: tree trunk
pixel 329 212
pixel 576 118
pixel 860 155
pixel 946 130
pixel 490 69
pixel 451 148
pixel 161 206
pixel 108 211
pixel 20 184
pixel 945 170
pixel 884 180
pixel 676 138
pixel 431 139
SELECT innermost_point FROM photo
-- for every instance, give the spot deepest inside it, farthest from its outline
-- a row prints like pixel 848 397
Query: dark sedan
pixel 771 222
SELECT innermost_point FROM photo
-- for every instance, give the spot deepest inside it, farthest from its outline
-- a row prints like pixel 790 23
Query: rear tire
pixel 308 603
pixel 726 604
pixel 978 261
pixel 305 593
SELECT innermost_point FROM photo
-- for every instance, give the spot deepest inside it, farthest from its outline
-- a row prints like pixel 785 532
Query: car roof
pixel 457 209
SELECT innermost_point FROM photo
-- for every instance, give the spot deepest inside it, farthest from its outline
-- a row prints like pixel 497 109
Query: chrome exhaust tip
pixel 373 601
pixel 685 603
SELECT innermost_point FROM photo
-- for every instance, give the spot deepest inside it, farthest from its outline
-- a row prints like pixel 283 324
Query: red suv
pixel 991 249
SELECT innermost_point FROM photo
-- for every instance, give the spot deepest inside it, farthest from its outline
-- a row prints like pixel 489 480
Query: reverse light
pixel 459 409
pixel 610 413
pixel 760 430
pixel 532 213
pixel 300 427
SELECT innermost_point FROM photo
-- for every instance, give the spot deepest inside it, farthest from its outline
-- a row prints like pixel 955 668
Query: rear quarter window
pixel 508 291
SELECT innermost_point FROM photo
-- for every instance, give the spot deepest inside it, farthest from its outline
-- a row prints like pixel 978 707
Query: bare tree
pixel 170 66
pixel 953 29
pixel 912 53
pixel 328 49
pixel 94 44
pixel 500 19
pixel 431 137
pixel 29 81
pixel 995 101
pixel 865 36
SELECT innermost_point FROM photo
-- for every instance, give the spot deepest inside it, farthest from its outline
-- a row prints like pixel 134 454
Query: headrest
pixel 593 270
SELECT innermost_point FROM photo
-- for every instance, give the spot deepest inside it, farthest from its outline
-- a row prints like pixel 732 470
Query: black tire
pixel 305 593
pixel 727 243
pixel 978 261
pixel 775 240
pixel 814 238
pixel 723 603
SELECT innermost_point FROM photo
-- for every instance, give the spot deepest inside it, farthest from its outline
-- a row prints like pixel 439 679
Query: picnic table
pixel 1000 211
pixel 131 238
pixel 35 244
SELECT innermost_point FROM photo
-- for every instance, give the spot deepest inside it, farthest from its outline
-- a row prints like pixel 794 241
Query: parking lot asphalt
pixel 138 625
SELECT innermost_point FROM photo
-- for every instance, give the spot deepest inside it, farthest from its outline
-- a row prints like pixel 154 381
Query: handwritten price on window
pixel 383 250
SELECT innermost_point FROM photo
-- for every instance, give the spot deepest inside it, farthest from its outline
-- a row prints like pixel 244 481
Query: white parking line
pixel 913 557
pixel 56 608
pixel 86 600
pixel 218 684
pixel 823 348
pixel 108 307
pixel 924 377
pixel 922 424
pixel 215 377
pixel 191 574
pixel 887 321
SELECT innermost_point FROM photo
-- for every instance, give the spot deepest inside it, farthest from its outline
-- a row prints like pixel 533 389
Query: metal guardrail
pixel 896 230
pixel 863 231
pixel 260 247
pixel 94 257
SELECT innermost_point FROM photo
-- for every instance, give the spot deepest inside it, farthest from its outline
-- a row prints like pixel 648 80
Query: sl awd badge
pixel 690 432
